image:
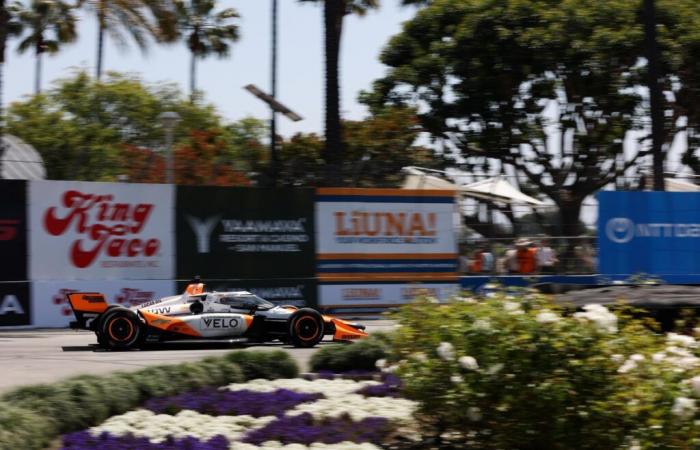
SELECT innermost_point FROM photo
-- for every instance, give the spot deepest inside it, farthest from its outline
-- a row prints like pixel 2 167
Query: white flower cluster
pixel 329 388
pixel 446 351
pixel 358 407
pixel 341 399
pixel 547 316
pixel 678 353
pixel 684 407
pixel 631 363
pixel 512 308
pixel 601 317
pixel 157 427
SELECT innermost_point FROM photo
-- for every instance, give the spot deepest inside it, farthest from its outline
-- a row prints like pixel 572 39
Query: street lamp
pixel 169 120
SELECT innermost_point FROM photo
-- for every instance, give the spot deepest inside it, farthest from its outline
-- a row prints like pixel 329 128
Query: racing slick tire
pixel 120 329
pixel 305 328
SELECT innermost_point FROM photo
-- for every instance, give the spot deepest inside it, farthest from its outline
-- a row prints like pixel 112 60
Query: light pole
pixel 273 118
pixel 169 120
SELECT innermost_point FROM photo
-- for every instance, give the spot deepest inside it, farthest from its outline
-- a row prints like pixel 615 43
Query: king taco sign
pixel 100 230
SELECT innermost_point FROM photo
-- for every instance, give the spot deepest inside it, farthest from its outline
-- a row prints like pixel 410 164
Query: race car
pixel 237 316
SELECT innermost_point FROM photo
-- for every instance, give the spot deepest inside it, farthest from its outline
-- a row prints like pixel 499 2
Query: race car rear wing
pixel 86 307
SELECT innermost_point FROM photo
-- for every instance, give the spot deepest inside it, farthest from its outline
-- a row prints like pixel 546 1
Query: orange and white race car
pixel 237 316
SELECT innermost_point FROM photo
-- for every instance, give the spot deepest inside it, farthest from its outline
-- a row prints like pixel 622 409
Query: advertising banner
pixel 358 296
pixel 81 230
pixel 244 232
pixel 298 292
pixel 13 230
pixel 15 308
pixel 649 232
pixel 50 307
pixel 385 234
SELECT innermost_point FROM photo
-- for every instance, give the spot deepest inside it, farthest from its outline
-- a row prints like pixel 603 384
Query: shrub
pixel 22 428
pixel 513 372
pixel 270 365
pixel 360 355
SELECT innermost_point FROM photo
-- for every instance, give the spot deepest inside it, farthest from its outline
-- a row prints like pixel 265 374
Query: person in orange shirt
pixel 526 256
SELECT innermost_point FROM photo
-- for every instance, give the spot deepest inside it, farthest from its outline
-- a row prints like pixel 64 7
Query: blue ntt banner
pixel 649 232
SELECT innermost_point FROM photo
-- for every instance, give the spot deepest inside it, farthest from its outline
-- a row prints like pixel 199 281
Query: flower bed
pixel 282 413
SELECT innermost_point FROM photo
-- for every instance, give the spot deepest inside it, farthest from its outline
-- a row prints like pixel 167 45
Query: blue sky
pixel 300 78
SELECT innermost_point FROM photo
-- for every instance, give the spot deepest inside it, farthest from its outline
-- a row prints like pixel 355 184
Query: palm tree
pixel 131 16
pixel 334 12
pixel 206 32
pixel 50 23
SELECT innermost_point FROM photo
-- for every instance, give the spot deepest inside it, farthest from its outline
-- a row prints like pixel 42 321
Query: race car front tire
pixel 305 328
pixel 120 329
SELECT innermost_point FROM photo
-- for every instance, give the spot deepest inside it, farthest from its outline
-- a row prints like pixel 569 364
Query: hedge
pixel 32 416
pixel 361 355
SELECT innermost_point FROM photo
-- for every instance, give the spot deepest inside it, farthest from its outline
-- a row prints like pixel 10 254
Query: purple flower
pixel 219 402
pixel 302 429
pixel 83 440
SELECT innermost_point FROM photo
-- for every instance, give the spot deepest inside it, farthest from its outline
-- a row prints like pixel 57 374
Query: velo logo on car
pixel 100 230
pixel 220 322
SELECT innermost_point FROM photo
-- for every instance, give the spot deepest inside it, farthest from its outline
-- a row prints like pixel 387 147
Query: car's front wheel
pixel 305 328
pixel 120 329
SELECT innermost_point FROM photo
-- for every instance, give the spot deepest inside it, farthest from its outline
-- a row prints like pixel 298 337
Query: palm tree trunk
pixel 333 12
pixel 100 39
pixel 193 76
pixel 37 75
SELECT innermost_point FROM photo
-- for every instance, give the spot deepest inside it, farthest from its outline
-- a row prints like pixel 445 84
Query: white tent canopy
pixel 21 161
pixel 494 189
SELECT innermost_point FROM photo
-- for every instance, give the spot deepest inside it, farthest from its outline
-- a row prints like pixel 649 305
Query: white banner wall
pixel 91 231
pixel 357 296
pixel 50 306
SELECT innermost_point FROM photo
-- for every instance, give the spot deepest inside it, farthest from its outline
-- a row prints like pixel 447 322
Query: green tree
pixel 50 24
pixel 81 127
pixel 547 87
pixel 376 150
pixel 206 31
pixel 334 12
pixel 138 18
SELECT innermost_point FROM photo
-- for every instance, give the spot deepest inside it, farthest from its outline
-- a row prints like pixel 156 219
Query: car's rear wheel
pixel 120 329
pixel 305 328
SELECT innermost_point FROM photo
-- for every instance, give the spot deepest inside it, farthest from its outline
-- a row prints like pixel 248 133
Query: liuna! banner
pixel 385 235
pixel 81 230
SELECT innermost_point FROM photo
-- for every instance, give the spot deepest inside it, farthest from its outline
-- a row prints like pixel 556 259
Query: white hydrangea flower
pixel 419 356
pixel 637 357
pixel 468 363
pixel 456 379
pixel 682 340
pixel 446 351
pixel 695 384
pixel 512 308
pixel 381 363
pixel 617 358
pixel 684 407
pixel 628 366
pixel 601 317
pixel 658 357
pixel 547 316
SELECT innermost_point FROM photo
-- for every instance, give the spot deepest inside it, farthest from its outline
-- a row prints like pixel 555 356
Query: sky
pixel 300 63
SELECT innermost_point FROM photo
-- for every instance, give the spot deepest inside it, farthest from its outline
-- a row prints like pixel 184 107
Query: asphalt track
pixel 43 356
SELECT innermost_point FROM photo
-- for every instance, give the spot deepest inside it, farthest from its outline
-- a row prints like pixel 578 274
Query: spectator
pixel 525 256
pixel 487 260
pixel 546 258
pixel 511 261
pixel 476 262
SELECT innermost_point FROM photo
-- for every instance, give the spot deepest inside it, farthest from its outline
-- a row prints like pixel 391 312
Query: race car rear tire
pixel 120 329
pixel 305 328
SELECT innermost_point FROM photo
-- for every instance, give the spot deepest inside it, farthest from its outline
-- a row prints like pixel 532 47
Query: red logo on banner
pixel 107 230
pixel 8 229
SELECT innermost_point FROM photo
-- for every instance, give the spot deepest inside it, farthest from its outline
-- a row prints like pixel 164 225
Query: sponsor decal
pixel 163 310
pixel 412 292
pixel 361 294
pixel 251 236
pixel 8 229
pixel 385 227
pixel 622 230
pixel 14 304
pixel 220 322
pixel 106 227
pixel 126 296
pixel 11 305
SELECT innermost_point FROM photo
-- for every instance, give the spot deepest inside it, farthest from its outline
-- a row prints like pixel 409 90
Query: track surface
pixel 43 356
